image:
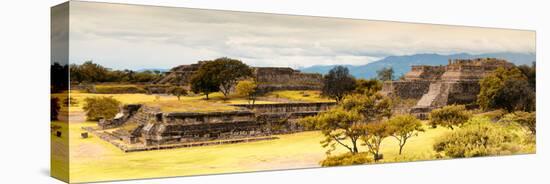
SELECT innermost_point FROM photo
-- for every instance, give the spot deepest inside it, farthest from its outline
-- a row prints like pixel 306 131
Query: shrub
pixel 526 119
pixel 481 137
pixel 177 91
pixel 495 115
pixel 247 88
pixel 449 116
pixel 101 107
pixel 346 159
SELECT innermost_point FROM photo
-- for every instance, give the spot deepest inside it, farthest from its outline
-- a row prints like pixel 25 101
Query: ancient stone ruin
pixel 147 127
pixel 437 86
pixel 268 78
pixel 272 78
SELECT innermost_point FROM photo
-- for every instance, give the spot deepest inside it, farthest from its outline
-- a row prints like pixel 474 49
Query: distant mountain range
pixel 402 64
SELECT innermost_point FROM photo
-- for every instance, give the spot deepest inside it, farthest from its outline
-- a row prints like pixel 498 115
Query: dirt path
pixel 77 117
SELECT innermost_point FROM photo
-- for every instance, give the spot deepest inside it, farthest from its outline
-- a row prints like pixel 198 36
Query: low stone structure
pixel 437 86
pixel 273 78
pixel 152 127
pixel 268 78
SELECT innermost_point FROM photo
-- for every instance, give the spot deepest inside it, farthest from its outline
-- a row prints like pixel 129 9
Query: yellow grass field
pixel 93 159
pixel 168 102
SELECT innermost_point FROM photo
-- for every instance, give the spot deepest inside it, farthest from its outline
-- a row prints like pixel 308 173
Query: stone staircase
pixel 437 96
pixel 140 117
pixel 428 99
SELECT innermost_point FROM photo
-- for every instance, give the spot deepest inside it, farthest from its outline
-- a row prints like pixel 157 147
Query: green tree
pixel 205 80
pixel 349 120
pixel 449 116
pixel 515 95
pixel 338 83
pixel 337 125
pixel 506 88
pixel 59 77
pixel 372 107
pixel 385 74
pixel 177 91
pixel 89 72
pixel 364 86
pixel 376 132
pixel 403 127
pixel 531 73
pixel 101 107
pixel 247 88
pixel 221 74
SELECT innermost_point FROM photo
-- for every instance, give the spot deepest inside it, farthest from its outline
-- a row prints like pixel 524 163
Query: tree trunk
pixel 355 150
pixel 401 145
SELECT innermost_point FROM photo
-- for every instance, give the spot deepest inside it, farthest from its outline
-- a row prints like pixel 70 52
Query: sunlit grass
pixel 93 159
pixel 197 103
pixel 59 158
pixel 300 95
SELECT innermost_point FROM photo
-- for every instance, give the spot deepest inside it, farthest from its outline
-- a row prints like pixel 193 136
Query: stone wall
pixel 406 89
pixel 472 70
pixel 154 127
pixel 437 86
pixel 425 72
pixel 288 107
pixel 273 78
pixel 268 78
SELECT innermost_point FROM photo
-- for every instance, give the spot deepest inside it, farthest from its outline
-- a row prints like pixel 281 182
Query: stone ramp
pixel 428 99
pixel 437 96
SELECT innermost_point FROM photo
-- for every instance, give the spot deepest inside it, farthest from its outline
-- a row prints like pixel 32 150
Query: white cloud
pixel 127 36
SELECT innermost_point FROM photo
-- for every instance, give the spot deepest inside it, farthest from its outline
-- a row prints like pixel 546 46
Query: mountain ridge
pixel 402 64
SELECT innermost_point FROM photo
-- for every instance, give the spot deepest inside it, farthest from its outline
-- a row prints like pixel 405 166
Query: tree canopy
pixel 101 107
pixel 177 91
pixel 337 125
pixel 449 116
pixel 364 86
pixel 508 89
pixel 376 132
pixel 338 83
pixel 90 72
pixel 247 88
pixel 385 74
pixel 220 74
pixel 373 107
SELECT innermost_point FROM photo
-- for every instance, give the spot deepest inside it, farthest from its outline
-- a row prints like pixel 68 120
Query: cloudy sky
pixel 136 37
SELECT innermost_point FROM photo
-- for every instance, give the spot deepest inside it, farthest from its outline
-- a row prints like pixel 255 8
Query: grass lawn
pixel 93 159
pixel 195 103
pixel 59 146
pixel 299 95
